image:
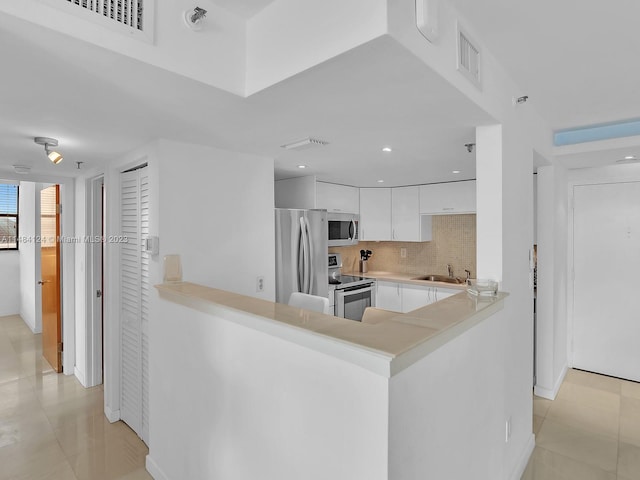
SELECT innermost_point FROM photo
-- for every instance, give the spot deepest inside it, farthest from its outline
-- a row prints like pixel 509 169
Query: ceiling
pixel 243 8
pixel 101 105
pixel 576 59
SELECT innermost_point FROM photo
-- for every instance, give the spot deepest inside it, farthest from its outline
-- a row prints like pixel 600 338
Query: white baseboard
pixel 153 469
pixel 112 415
pixel 80 376
pixel 551 394
pixel 523 461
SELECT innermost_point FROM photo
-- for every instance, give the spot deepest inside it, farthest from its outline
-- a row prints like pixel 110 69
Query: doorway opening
pixel 95 280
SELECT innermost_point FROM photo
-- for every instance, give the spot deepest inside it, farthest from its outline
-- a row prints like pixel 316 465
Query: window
pixel 8 217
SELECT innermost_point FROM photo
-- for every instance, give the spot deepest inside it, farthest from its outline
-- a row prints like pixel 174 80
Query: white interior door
pixel 606 246
pixel 134 294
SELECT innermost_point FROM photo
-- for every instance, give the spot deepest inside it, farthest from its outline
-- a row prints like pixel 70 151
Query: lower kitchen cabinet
pixel 417 296
pixel 389 296
pixel 406 297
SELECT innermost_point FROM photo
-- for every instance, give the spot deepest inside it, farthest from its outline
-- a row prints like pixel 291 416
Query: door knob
pixel 42 282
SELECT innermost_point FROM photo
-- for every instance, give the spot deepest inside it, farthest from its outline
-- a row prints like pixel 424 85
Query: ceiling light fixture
pixel 387 149
pixel 302 166
pixel 194 19
pixel 54 156
pixel 456 171
pixel 380 181
pixel 630 157
pixel 470 147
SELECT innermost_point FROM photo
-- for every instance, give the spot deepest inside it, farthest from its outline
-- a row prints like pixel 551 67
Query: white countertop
pixel 397 342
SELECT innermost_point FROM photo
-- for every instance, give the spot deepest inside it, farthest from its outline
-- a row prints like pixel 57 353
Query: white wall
pixel 9 283
pixel 446 411
pixel 258 406
pixel 505 203
pixel 290 36
pixel 216 212
pixel 552 354
pixel 212 207
pixel 30 291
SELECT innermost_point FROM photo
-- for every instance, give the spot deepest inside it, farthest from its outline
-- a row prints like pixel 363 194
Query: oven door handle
pixel 356 289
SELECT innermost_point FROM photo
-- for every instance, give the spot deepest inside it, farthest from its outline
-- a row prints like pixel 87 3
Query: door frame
pixel 94 252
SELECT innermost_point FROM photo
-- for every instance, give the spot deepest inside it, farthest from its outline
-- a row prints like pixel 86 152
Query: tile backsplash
pixel 454 242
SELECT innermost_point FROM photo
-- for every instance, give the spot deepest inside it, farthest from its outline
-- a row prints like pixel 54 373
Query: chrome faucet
pixel 468 274
pixel 450 270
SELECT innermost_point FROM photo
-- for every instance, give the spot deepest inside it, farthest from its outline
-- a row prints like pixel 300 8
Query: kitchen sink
pixel 440 278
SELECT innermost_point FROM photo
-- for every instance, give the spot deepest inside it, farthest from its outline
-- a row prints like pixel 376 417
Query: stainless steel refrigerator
pixel 301 253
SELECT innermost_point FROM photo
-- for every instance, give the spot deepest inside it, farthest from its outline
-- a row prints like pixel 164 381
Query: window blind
pixel 8 217
pixel 8 199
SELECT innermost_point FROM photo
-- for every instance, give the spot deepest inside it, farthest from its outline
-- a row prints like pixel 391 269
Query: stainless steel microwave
pixel 343 229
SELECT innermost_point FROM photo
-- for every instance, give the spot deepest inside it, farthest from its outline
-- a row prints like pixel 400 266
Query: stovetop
pixel 346 281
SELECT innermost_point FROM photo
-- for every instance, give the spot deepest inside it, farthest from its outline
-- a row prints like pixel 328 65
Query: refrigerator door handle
pixel 303 263
pixel 310 270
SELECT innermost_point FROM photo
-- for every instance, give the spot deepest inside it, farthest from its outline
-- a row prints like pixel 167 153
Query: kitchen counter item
pixel 482 287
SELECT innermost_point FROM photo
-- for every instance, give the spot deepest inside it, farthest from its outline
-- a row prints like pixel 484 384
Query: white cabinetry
pixel 305 192
pixel 375 214
pixel 299 192
pixel 389 296
pixel 406 297
pixel 445 198
pixel 337 198
pixel 393 214
pixel 405 214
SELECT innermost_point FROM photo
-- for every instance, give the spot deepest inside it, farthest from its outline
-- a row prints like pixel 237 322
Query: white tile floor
pixel 53 428
pixel 50 426
pixel 591 431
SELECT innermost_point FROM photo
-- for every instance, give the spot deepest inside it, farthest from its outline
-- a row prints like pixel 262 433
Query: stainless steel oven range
pixel 351 294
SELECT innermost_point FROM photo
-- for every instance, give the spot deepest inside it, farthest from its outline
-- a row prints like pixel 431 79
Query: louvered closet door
pixel 134 294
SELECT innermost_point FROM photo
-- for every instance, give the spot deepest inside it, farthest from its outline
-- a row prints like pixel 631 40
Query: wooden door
pixel 50 279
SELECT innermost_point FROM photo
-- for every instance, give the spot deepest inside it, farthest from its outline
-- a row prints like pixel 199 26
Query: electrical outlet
pixel 403 252
pixel 260 284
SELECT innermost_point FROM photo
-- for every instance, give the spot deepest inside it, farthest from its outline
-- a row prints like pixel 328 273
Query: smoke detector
pixel 304 144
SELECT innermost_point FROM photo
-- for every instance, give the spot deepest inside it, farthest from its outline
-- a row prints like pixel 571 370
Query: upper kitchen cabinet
pixel 405 214
pixel 298 192
pixel 393 214
pixel 447 198
pixel 375 214
pixel 306 192
pixel 337 198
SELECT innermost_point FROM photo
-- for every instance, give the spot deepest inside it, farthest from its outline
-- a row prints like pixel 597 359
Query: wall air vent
pixel 304 144
pixel 125 12
pixel 469 58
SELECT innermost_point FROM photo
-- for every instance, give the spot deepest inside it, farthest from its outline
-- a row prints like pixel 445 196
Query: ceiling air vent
pixel 469 58
pixel 126 12
pixel 304 144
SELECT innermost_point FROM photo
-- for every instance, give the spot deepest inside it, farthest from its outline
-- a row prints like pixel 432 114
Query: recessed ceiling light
pixel 387 149
pixel 456 171
pixel 302 166
pixel 630 157
pixel 380 181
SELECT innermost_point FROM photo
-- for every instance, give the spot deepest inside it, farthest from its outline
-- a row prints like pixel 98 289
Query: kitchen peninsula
pixel 275 392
